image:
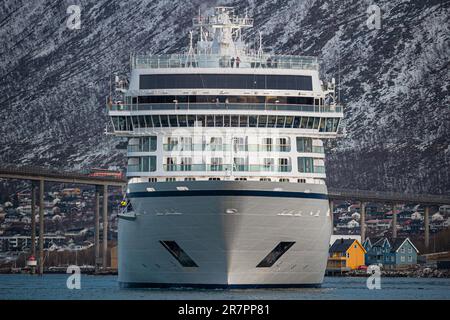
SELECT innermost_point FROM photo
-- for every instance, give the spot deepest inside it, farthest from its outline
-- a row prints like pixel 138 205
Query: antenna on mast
pixel 260 51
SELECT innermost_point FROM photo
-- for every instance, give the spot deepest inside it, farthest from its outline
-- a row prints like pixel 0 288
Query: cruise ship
pixel 226 177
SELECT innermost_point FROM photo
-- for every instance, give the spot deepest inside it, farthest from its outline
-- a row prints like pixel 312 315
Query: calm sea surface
pixel 52 287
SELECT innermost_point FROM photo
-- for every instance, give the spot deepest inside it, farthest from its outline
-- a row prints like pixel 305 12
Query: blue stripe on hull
pixel 249 193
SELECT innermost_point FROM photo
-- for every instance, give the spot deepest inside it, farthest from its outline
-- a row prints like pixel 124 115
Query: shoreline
pixel 419 273
pixel 423 273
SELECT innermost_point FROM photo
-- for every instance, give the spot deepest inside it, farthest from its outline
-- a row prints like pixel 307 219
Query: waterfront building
pixel 376 249
pixel 402 254
pixel 345 255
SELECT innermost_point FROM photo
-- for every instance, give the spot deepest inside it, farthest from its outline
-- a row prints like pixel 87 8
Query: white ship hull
pixel 226 228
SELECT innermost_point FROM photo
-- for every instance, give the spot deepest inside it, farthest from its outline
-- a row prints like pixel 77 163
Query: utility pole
pixel 394 221
pixel 97 227
pixel 362 221
pixel 105 225
pixel 33 224
pixel 41 227
pixel 427 227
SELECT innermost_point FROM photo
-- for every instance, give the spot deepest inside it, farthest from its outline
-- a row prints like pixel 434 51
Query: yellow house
pixel 346 254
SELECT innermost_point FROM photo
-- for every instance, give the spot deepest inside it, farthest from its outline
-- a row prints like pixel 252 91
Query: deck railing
pixel 265 61
pixel 226 106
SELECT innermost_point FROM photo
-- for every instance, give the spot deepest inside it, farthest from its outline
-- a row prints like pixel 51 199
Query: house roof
pixel 342 245
pixel 398 243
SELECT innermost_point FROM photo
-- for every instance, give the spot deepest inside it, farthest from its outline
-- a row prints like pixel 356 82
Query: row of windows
pixel 221 99
pixel 282 144
pixel 225 81
pixel 148 164
pixel 128 123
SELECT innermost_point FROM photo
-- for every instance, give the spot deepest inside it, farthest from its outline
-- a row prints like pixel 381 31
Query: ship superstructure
pixel 225 163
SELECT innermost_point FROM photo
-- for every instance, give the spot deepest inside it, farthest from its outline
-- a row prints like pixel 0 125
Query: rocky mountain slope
pixel 394 81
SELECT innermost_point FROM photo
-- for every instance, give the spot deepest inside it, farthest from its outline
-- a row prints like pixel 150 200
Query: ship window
pixel 172 143
pixel 171 179
pixel 305 165
pixel 156 121
pixel 225 81
pixel 210 120
pixel 271 121
pixel 266 144
pixel 142 122
pixel 316 123
pixel 215 144
pixel 128 124
pixel 135 122
pixel 283 165
pixel 265 179
pixel 240 144
pixel 289 121
pixel 148 120
pixel 252 121
pixel 275 254
pixel 304 144
pixel 216 164
pixel 310 123
pixel 219 120
pixel 201 120
pixel 280 121
pixel 283 180
pixel 191 120
pixel 186 164
pixel 240 179
pixel 171 164
pixel 234 121
pixel 284 144
pixel 189 179
pixel 164 120
pixel 268 164
pixel 301 180
pixel 335 124
pixel 239 164
pixel 214 179
pixel 178 253
pixel 186 144
pixel 115 122
pixel 147 144
pixel 182 120
pixel 296 122
pixel 322 125
pixel 262 121
pixel 147 164
pixel 226 120
pixel 329 125
pixel 303 122
pixel 243 121
pixel 173 121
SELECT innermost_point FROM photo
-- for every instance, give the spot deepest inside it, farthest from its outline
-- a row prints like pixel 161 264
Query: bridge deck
pixel 36 174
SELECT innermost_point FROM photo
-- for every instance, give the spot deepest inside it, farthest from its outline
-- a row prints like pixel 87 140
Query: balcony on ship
pixel 202 60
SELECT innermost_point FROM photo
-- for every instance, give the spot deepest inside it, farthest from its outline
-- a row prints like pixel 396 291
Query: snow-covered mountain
pixel 394 80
